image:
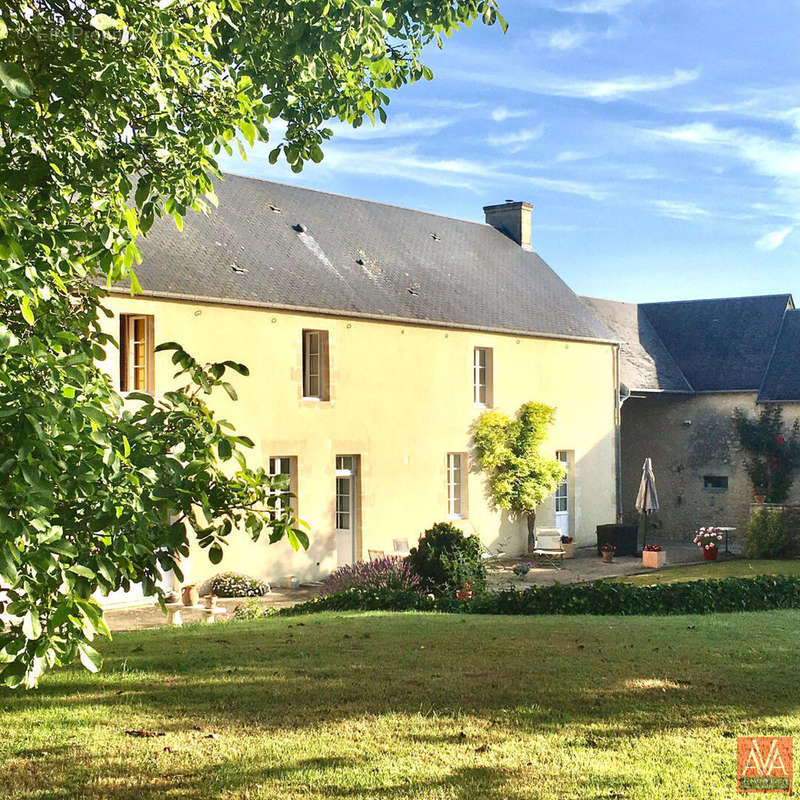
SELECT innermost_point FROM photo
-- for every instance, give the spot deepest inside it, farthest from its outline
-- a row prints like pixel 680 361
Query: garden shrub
pixel 248 609
pixel 769 535
pixel 446 560
pixel 761 593
pixel 234 584
pixel 392 573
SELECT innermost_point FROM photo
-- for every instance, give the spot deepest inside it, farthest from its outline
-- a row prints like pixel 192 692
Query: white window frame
pixel 562 490
pixel 346 470
pixel 481 359
pixel 311 371
pixel 456 486
pixel 283 465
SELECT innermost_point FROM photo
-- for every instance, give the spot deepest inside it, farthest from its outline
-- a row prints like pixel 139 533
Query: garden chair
pixel 548 547
pixel 374 555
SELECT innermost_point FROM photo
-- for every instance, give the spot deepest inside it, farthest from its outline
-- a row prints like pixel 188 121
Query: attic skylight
pixel 274 208
pixel 237 269
pixel 435 237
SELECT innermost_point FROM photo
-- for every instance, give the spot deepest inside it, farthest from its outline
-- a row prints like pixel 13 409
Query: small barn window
pixel 715 483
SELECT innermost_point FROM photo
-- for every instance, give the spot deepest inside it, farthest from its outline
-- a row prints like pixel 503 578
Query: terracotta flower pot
pixel 608 556
pixel 710 554
pixel 569 550
pixel 759 498
pixel 190 595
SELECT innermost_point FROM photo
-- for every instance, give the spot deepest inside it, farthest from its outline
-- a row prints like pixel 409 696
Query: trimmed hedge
pixel 762 593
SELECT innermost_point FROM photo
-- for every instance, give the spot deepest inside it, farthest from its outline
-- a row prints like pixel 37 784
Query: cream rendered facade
pixel 401 399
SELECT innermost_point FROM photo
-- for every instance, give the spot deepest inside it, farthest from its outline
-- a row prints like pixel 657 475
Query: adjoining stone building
pixel 685 366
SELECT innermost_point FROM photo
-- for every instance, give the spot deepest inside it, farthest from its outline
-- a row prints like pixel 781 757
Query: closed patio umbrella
pixel 647 498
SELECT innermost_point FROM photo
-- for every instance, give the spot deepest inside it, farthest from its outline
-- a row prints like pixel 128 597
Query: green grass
pixel 736 568
pixel 395 706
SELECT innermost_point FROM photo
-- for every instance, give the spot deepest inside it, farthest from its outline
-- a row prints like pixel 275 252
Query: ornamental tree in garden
pixel 113 113
pixel 508 450
pixel 772 454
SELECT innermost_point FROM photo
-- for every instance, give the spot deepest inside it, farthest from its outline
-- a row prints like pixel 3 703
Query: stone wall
pixel 689 437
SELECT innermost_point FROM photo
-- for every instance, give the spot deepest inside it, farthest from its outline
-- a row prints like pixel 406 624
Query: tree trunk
pixel 531 531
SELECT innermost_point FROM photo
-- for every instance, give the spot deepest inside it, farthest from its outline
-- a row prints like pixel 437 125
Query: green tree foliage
pixel 519 476
pixel 771 454
pixel 111 114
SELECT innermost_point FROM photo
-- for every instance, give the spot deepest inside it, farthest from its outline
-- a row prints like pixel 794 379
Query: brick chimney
pixel 513 219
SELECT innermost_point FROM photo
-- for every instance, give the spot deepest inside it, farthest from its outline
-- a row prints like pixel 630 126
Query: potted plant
pixel 759 494
pixel 708 539
pixel 607 552
pixel 569 546
pixel 654 556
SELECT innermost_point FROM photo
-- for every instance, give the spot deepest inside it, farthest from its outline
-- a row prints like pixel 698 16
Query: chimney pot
pixel 513 219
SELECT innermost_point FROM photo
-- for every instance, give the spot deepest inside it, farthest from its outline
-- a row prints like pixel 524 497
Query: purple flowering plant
pixel 387 572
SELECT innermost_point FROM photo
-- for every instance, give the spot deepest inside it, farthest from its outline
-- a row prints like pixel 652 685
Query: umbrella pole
pixel 644 537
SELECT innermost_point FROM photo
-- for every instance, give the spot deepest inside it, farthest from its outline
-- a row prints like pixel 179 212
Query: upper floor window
pixel 482 376
pixel 136 348
pixel 456 485
pixel 315 365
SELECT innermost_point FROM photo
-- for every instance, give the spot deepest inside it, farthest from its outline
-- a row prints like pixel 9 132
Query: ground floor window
pixel 456 485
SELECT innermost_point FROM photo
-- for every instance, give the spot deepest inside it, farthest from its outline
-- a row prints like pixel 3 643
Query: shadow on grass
pixel 601 679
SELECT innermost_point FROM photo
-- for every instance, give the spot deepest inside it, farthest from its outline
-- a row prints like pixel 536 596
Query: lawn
pixel 736 568
pixel 424 706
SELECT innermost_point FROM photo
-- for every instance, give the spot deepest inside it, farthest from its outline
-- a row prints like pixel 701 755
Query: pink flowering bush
pixel 708 538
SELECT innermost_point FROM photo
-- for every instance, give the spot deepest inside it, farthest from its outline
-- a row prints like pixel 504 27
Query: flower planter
pixel 711 554
pixel 654 559
pixel 569 550
pixel 759 498
pixel 608 557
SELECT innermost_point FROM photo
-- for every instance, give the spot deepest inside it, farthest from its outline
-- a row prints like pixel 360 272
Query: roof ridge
pixel 359 199
pixel 787 295
pixel 771 355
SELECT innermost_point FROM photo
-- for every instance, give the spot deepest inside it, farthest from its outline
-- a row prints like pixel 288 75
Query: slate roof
pixel 721 345
pixel 782 381
pixel 286 247
pixel 645 363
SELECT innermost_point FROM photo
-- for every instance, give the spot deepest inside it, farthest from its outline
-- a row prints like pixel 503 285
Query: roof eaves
pixel 335 312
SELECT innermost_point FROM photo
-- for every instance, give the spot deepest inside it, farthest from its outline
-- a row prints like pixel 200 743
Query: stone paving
pixel 586 566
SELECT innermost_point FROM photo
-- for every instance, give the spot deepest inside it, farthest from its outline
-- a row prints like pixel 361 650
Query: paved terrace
pixel 586 566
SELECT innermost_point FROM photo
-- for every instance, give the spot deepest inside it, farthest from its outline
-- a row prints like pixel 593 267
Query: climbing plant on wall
pixel 771 453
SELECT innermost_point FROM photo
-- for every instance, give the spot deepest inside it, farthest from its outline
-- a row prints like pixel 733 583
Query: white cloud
pixel 571 155
pixel 678 209
pixel 501 114
pixel 406 163
pixel 773 240
pixel 594 6
pixel 514 141
pixel 566 39
pixel 618 88
pixel 396 127
pixel 601 91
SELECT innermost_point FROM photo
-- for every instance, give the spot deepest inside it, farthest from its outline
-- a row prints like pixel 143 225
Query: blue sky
pixel 658 141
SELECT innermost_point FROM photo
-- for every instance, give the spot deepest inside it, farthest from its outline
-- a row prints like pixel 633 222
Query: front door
pixel 562 495
pixel 346 507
